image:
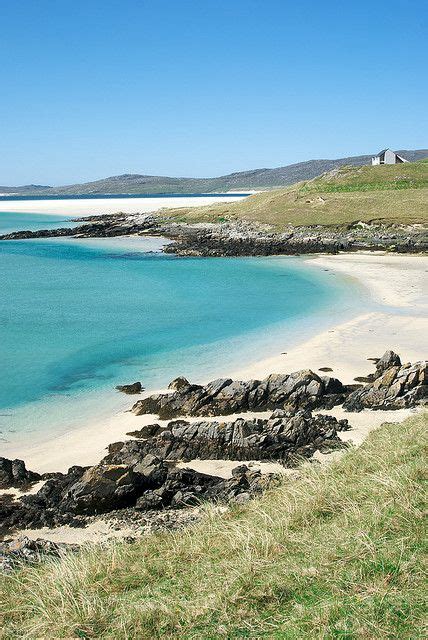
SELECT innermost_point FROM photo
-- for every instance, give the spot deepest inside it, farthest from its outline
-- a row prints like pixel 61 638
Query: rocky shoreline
pixel 140 480
pixel 244 238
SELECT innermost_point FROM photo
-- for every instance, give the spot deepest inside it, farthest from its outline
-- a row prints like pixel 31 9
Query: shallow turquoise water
pixel 78 317
pixel 32 222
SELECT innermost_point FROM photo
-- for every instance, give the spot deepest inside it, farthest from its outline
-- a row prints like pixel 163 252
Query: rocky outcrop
pixel 13 473
pixel 130 389
pixel 284 437
pixel 148 484
pixel 185 487
pixel 394 386
pixel 243 238
pixel 302 389
pixel 141 473
pixel 98 227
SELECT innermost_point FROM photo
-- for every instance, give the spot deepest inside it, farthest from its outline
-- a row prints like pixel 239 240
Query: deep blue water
pixel 78 317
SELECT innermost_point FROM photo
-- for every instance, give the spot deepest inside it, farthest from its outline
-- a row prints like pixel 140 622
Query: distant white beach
pixel 90 207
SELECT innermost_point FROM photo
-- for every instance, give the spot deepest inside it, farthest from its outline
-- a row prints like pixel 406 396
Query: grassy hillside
pixel 392 193
pixel 336 554
pixel 240 180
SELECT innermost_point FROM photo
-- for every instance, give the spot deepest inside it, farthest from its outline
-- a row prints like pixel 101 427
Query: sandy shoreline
pixel 82 208
pixel 397 282
pixel 399 285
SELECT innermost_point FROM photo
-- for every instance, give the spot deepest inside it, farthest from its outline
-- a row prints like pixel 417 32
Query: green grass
pixel 387 193
pixel 337 554
pixel 412 175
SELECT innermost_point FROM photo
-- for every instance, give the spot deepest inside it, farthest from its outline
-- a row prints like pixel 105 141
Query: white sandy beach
pixel 99 206
pixel 397 282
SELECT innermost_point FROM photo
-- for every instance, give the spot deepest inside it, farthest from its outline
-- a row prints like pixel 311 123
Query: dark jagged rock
pixel 98 227
pixel 302 389
pixel 102 488
pixel 395 386
pixel 147 431
pixel 13 473
pixel 186 487
pixel 130 389
pixel 178 383
pixel 284 437
pixel 136 472
pixel 389 359
pixel 40 509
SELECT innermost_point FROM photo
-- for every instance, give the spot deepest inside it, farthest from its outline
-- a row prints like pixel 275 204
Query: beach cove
pixel 376 302
pixel 129 312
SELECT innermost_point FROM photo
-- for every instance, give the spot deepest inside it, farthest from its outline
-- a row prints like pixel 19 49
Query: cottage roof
pixel 382 153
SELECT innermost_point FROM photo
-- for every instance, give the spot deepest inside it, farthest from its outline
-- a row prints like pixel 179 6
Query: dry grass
pixel 337 554
pixel 391 193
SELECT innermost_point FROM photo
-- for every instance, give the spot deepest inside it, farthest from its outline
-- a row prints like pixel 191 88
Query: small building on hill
pixel 388 157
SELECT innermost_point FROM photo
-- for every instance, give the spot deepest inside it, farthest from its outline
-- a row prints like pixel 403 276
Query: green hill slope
pixel 338 553
pixel 391 193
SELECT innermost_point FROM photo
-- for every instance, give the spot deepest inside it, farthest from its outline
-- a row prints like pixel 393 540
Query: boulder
pixel 148 431
pixel 388 360
pixel 179 383
pixel 13 473
pixel 130 389
pixel 102 488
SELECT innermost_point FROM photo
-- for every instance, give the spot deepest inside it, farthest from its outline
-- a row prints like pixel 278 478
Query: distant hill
pixel 29 189
pixel 241 180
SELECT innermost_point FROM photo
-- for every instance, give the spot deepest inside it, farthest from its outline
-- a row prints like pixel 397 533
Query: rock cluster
pixel 96 227
pixel 141 474
pixel 150 483
pixel 393 386
pixel 283 437
pixel 302 389
pixel 243 238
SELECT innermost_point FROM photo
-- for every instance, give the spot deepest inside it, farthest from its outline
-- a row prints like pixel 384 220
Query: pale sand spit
pixel 100 206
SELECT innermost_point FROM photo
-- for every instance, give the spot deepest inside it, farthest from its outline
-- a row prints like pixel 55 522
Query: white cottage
pixel 388 157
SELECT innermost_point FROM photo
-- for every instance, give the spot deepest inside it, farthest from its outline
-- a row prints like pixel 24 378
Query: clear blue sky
pixel 92 88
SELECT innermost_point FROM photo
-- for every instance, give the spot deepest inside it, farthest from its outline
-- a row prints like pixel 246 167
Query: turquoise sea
pixel 78 317
pixel 10 222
